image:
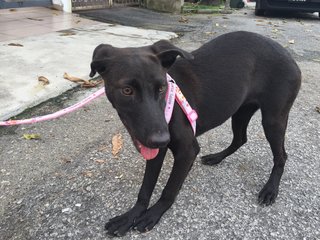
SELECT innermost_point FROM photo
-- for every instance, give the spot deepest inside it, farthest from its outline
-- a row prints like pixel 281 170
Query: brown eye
pixel 127 91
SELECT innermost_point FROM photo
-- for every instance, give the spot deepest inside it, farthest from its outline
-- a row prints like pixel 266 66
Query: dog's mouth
pixel 147 153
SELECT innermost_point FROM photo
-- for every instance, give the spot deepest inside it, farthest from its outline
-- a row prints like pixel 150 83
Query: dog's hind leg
pixel 274 127
pixel 240 121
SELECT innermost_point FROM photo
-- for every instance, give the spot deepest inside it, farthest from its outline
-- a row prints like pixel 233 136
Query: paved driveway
pixel 68 184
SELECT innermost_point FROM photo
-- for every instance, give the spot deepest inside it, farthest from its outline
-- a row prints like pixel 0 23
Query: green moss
pixel 197 8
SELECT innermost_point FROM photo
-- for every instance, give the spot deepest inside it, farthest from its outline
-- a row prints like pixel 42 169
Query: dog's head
pixel 135 84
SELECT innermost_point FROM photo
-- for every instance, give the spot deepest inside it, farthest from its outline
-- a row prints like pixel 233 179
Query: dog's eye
pixel 127 91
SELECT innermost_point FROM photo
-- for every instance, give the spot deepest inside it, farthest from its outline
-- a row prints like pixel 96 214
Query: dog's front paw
pixel 120 225
pixel 146 222
pixel 149 219
pixel 268 195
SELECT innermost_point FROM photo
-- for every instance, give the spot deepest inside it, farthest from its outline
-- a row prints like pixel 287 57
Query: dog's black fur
pixel 233 75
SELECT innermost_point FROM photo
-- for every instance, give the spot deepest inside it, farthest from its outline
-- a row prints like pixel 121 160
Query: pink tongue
pixel 149 153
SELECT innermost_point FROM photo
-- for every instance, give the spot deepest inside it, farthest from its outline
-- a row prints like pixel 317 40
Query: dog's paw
pixel 212 159
pixel 267 195
pixel 147 221
pixel 120 225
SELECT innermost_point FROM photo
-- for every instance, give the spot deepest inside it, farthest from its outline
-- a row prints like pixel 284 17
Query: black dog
pixel 233 75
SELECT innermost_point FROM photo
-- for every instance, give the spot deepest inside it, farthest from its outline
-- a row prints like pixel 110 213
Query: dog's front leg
pixel 119 225
pixel 184 156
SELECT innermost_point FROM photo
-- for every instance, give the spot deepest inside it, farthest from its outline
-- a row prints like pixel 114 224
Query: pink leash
pixel 173 93
pixel 56 114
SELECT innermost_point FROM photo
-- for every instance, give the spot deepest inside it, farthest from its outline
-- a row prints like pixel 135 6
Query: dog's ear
pixel 99 58
pixel 168 57
pixel 98 66
pixel 167 53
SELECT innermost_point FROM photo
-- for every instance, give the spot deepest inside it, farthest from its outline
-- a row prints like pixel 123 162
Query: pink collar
pixel 174 93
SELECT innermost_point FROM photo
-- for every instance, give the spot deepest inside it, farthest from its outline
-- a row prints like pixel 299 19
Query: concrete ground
pixel 38 42
pixel 67 184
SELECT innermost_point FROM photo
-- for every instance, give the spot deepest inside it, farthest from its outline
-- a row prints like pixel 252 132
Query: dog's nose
pixel 158 140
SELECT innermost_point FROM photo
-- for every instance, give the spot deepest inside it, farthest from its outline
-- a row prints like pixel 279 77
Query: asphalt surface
pixel 67 184
pixel 144 18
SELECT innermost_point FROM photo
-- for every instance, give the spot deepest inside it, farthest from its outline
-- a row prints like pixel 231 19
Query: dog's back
pixel 236 69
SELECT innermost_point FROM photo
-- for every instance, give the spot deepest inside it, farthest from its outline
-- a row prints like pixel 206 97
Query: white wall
pixel 63 5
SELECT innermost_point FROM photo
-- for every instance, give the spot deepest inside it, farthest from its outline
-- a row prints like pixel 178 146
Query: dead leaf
pixel 117 143
pixel 58 174
pixel 72 78
pixel 90 84
pixel 43 80
pixel 13 10
pixel 119 177
pixel 67 34
pixel 35 19
pixel 183 20
pixel 31 136
pixel 318 109
pixel 87 174
pixel 291 41
pixel 15 44
pixel 209 33
pixel 259 20
pixel 84 83
pixel 100 161
pixel 66 160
